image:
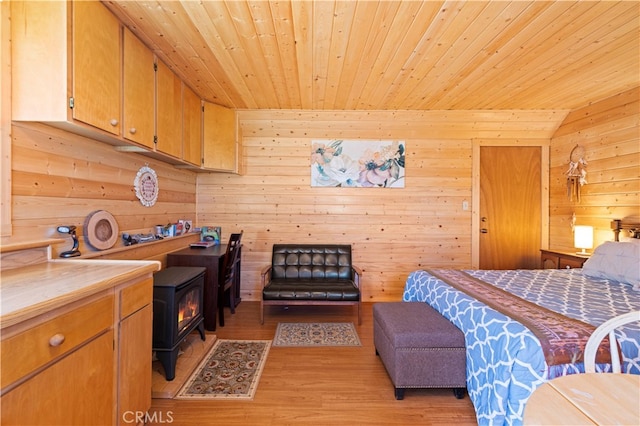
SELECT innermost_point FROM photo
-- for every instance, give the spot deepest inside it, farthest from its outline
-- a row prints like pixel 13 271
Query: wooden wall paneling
pixel 609 131
pixel 60 177
pixel 392 231
pixel 5 120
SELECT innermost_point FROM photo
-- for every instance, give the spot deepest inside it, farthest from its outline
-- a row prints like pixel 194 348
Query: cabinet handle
pixel 56 340
pixel 113 122
pixel 132 130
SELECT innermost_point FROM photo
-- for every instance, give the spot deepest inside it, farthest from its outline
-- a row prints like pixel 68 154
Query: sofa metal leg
pixel 459 392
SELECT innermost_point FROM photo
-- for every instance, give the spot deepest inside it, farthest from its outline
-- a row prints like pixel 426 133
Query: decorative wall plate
pixel 146 185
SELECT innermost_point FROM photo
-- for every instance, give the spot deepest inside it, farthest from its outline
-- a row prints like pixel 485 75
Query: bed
pixel 506 360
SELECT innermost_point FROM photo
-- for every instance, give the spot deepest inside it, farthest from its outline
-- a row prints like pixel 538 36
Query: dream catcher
pixel 577 173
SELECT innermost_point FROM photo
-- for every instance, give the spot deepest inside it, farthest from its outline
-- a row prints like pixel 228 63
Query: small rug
pixel 316 334
pixel 231 370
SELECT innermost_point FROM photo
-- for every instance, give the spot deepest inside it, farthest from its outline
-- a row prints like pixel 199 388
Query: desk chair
pixel 607 328
pixel 228 276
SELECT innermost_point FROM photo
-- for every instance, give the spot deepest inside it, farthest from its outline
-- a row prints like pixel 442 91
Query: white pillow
pixel 617 261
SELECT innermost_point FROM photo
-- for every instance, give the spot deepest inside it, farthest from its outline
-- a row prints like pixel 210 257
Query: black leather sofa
pixel 311 274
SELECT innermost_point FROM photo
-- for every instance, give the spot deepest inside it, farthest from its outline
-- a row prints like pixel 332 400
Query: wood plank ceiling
pixel 394 55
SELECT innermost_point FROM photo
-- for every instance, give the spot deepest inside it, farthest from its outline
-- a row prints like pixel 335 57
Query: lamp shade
pixel 583 237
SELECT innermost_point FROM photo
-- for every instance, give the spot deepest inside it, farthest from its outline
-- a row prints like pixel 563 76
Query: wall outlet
pixel 465 205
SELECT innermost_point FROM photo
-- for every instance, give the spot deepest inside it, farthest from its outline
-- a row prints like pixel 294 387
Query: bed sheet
pixel 505 363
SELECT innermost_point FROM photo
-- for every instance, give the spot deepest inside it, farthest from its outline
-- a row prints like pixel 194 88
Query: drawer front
pixel 570 263
pixel 135 297
pixel 31 349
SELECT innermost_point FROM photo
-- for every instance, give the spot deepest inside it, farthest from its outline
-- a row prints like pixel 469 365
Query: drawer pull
pixel 56 340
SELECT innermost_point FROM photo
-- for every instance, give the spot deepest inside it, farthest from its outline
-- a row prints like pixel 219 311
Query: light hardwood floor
pixel 317 386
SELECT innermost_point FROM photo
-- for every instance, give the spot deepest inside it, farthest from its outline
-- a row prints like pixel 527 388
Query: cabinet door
pixel 78 389
pixel 97 65
pixel 134 375
pixel 219 138
pixel 169 111
pixel 139 87
pixel 192 137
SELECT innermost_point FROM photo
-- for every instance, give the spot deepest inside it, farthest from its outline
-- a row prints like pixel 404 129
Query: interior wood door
pixel 510 207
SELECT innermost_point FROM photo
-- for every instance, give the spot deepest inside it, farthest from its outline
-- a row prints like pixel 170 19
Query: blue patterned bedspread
pixel 505 363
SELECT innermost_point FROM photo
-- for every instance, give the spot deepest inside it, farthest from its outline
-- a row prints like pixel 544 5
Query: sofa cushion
pixel 311 261
pixel 310 289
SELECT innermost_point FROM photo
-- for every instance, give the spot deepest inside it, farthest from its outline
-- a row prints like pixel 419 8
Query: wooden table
pixel 211 258
pixel 586 399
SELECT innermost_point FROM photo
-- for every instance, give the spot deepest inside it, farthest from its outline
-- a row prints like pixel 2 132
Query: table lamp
pixel 583 238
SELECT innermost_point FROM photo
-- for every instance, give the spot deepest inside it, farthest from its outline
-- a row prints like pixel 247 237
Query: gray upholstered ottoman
pixel 419 347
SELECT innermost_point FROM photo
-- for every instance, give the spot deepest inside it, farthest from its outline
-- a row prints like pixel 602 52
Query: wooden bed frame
pixel 619 225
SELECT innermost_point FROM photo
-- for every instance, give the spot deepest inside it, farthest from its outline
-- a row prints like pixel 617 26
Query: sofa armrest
pixel 355 275
pixel 263 274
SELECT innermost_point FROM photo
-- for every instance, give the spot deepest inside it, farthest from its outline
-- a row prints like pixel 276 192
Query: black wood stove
pixel 177 311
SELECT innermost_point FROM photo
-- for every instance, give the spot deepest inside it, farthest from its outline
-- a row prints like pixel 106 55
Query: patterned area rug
pixel 316 334
pixel 231 370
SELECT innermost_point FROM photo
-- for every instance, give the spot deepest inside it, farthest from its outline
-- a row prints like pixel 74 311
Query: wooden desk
pixel 586 399
pixel 211 258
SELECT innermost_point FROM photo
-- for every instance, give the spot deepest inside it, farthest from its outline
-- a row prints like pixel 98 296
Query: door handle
pixel 483 231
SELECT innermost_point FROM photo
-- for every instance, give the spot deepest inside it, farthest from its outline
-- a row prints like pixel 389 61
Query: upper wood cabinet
pixel 139 91
pixel 75 66
pixel 97 66
pixel 44 56
pixel 192 126
pixel 168 111
pixel 219 138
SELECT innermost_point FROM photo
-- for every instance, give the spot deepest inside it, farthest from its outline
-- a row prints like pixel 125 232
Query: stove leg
pixel 201 330
pixel 168 360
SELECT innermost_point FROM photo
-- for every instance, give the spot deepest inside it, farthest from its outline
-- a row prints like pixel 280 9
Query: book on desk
pixel 203 244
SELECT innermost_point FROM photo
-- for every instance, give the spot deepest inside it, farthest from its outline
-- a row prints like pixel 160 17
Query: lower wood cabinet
pixel 85 363
pixel 134 350
pixel 77 389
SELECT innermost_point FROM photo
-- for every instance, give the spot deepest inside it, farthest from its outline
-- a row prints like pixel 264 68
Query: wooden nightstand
pixel 559 260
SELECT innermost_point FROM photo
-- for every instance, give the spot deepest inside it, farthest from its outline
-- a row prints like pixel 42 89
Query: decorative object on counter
pixel 577 173
pixel 211 234
pixel 186 225
pixel 100 230
pixel 146 186
pixel 139 238
pixel 71 230
pixel 169 230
